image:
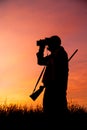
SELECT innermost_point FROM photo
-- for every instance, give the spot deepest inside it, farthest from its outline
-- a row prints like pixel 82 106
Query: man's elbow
pixel 40 63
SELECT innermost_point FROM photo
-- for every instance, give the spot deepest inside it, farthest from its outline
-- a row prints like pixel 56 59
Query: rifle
pixel 36 93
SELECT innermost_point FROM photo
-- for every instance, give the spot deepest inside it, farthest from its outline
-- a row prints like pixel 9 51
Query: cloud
pixel 3 1
pixel 84 1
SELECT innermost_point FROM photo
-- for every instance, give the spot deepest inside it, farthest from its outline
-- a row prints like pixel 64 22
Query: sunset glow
pixel 22 23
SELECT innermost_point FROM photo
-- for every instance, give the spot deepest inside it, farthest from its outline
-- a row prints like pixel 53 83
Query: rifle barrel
pixel 72 54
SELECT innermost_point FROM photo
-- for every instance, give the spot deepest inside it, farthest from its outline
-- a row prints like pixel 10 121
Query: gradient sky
pixel 22 23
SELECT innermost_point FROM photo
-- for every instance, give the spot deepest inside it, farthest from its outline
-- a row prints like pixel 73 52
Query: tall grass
pixel 13 108
pixel 76 108
pixel 21 117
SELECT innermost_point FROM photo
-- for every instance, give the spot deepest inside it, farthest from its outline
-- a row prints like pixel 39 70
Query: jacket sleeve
pixel 41 60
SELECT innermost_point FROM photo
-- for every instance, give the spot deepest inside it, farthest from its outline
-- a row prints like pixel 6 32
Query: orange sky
pixel 22 23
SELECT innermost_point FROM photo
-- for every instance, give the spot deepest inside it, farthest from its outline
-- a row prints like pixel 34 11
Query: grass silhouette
pixel 14 117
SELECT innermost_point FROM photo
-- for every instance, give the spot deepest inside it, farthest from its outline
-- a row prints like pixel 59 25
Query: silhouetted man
pixel 55 78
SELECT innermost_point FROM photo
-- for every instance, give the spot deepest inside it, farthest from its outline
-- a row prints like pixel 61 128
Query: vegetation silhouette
pixel 14 117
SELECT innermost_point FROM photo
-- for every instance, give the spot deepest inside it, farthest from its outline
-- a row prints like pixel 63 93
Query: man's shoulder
pixel 62 50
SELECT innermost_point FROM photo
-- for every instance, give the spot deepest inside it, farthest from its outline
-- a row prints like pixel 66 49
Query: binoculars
pixel 43 42
pixel 49 40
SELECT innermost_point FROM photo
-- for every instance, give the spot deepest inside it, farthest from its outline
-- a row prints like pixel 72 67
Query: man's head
pixel 54 42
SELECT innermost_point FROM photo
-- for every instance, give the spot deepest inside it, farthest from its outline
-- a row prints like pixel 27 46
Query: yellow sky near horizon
pixel 22 23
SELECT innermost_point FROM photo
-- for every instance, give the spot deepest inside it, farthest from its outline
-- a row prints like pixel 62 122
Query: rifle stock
pixel 35 94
